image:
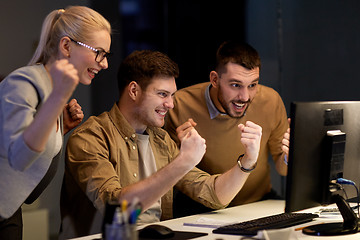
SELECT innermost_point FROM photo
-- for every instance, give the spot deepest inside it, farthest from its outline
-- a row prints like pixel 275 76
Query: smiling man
pixel 124 153
pixel 215 109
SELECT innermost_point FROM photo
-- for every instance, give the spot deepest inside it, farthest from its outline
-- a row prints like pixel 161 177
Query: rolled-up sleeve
pixel 200 186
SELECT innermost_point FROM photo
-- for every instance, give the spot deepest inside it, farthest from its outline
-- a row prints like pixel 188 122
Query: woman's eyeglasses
pixel 100 53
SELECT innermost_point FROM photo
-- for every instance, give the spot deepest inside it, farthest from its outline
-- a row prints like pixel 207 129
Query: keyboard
pixel 277 221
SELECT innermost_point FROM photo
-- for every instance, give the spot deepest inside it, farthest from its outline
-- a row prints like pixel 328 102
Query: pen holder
pixel 121 232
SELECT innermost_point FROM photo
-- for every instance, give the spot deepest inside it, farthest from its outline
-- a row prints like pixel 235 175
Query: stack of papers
pixel 207 222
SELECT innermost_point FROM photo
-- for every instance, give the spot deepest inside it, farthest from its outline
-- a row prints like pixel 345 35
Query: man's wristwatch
pixel 246 170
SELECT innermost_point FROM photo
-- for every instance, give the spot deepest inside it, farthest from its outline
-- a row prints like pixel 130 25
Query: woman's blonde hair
pixel 76 22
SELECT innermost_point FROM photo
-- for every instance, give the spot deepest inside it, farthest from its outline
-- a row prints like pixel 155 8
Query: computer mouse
pixel 156 231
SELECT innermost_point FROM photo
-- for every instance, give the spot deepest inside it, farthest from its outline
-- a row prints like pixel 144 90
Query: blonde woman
pixel 34 108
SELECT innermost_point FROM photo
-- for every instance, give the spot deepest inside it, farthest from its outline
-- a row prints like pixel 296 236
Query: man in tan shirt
pixel 124 153
pixel 232 97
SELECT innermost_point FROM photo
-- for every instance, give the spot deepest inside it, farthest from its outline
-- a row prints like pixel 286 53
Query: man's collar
pixel 126 129
pixel 214 112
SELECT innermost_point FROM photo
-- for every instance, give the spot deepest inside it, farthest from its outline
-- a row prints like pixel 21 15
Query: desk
pixel 239 214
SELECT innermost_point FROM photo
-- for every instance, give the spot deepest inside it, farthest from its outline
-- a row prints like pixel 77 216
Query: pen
pixel 134 203
pixel 117 216
pixel 134 215
pixel 124 205
pixel 301 228
pixel 134 209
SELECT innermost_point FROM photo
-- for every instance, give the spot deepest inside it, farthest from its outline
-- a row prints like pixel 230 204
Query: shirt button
pixel 135 175
pixel 126 138
pixel 133 147
pixel 133 135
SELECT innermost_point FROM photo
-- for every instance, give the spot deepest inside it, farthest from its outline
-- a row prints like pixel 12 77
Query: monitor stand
pixel 348 226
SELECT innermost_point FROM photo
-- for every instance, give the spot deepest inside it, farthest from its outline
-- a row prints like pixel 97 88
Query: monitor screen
pixel 324 145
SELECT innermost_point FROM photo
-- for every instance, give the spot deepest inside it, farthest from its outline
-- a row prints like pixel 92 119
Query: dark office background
pixel 188 31
pixel 309 48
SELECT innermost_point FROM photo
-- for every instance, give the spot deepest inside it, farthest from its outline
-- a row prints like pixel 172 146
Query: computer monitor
pixel 324 145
